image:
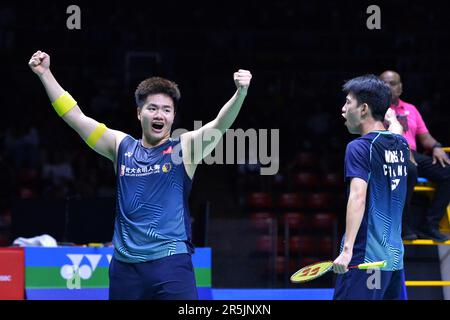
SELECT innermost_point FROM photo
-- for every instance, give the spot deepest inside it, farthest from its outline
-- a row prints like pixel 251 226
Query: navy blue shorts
pixel 358 284
pixel 168 278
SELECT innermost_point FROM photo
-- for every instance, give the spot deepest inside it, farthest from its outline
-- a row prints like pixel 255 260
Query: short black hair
pixel 155 85
pixel 371 90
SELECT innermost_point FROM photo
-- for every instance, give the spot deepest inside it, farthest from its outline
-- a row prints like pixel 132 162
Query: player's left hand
pixel 39 63
pixel 440 155
pixel 242 80
pixel 340 265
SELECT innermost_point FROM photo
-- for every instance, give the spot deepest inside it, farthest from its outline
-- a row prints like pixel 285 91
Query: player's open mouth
pixel 158 126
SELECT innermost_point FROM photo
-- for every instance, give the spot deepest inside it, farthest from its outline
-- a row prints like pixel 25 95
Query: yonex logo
pixel 394 184
pixel 74 272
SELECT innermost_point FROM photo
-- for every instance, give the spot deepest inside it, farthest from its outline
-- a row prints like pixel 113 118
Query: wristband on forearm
pixel 95 135
pixel 64 104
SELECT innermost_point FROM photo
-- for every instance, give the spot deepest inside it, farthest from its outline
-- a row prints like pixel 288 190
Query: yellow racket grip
pixel 377 264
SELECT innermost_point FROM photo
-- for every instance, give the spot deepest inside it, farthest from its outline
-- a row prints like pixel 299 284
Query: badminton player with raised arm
pixel 152 231
pixel 375 172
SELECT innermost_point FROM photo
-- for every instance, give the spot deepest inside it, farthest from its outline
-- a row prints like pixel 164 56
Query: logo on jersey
pixel 128 154
pixel 394 184
pixel 166 167
pixel 141 171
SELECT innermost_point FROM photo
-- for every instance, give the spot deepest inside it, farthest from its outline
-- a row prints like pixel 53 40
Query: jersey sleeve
pixel 357 160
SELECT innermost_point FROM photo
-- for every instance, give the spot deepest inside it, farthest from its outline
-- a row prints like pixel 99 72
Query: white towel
pixel 40 241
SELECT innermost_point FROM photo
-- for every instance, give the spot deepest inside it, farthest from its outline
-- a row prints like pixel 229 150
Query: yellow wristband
pixel 64 104
pixel 98 132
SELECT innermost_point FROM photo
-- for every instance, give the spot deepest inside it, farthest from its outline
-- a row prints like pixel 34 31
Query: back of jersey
pixel 386 194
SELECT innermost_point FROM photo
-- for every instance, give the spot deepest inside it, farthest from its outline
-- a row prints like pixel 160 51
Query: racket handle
pixel 364 266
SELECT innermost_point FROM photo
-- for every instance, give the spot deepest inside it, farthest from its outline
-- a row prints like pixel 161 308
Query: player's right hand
pixel 340 264
pixel 39 62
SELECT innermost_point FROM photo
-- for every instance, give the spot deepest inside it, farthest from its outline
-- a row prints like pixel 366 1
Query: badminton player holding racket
pixel 375 174
pixel 152 232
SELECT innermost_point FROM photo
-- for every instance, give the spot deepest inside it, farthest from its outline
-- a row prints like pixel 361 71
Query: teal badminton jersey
pixel 152 214
pixel 380 158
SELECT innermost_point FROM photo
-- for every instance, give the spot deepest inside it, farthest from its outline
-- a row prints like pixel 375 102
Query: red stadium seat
pixel 332 180
pixel 306 160
pixel 280 265
pixel 294 265
pixel 306 180
pixel 281 245
pixel 319 201
pixel 265 244
pixel 302 245
pixel 326 247
pixel 261 200
pixel 290 201
pixel 306 261
pixel 323 220
pixel 294 220
pixel 262 220
pixel 27 193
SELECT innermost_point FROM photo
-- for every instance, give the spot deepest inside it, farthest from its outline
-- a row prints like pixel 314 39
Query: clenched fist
pixel 39 62
pixel 242 80
pixel 391 118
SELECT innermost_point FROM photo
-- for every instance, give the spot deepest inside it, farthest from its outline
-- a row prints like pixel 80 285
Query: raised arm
pixel 103 140
pixel 198 144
